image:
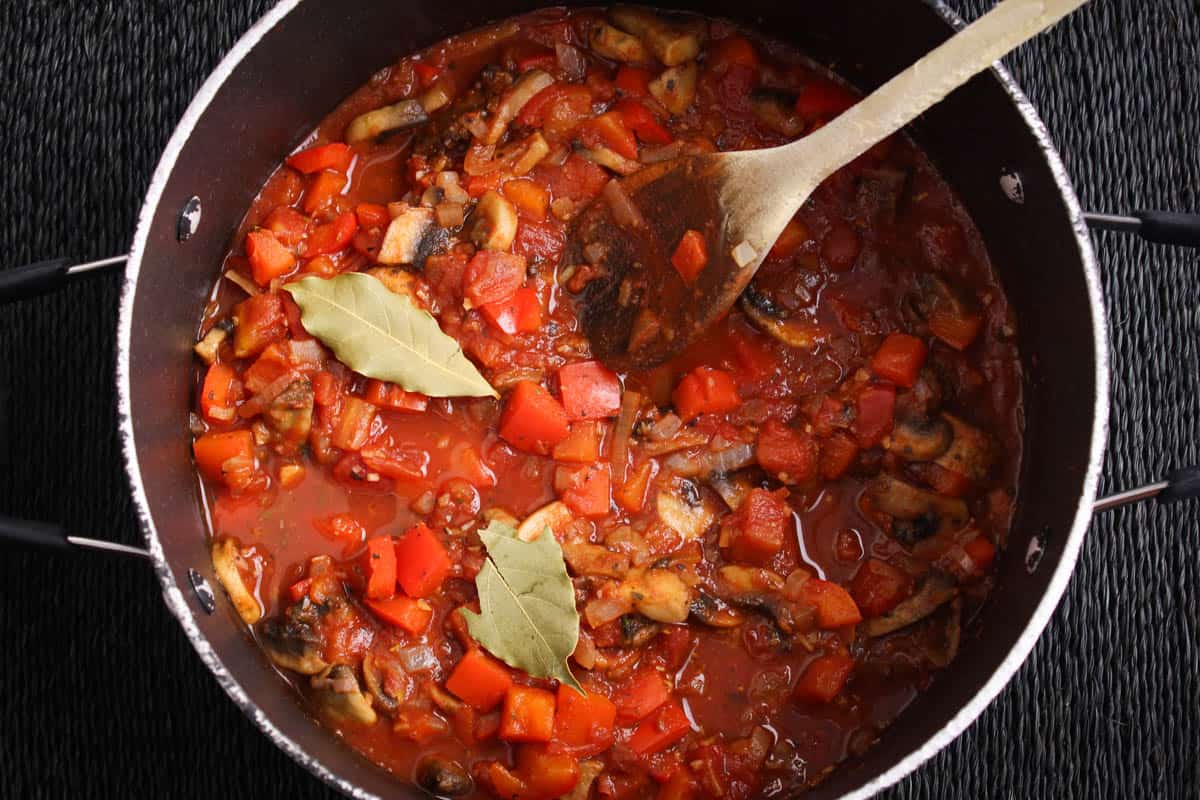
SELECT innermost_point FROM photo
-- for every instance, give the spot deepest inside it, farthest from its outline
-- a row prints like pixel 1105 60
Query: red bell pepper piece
pixel 528 715
pixel 260 321
pixel 705 390
pixel 390 396
pixel 633 81
pixel 521 313
pixel 288 225
pixel 876 410
pixel 322 188
pixel 421 562
pixel 589 490
pixel 899 359
pixel 822 99
pixel 589 390
pixel 334 156
pixel 409 615
pixel 835 607
pixel 213 450
pixel 269 259
pixel 690 256
pixel 532 420
pixel 824 678
pixel 380 567
pixel 584 723
pixel 220 393
pixel 608 130
pixel 642 695
pixel 642 122
pixel 492 277
pixel 332 236
pixel 666 727
pixel 480 680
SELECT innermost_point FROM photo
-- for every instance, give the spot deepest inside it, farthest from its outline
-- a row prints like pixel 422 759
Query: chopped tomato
pixel 220 393
pixel 838 453
pixel 409 615
pixel 560 112
pixel 480 680
pixel 334 156
pixel 332 236
pixel 547 772
pixel 479 185
pixel 269 259
pixel 641 696
pixel 380 567
pixel 589 390
pixel 322 188
pixel 690 256
pixel 582 445
pixel 899 359
pixel 577 179
pixel 824 678
pixel 878 587
pixel 584 723
pixel 788 453
pixel 532 419
pixel 260 321
pixel 391 396
pixel 876 406
pixel 760 525
pixel 643 123
pixel 421 562
pixel 664 728
pixel 608 130
pixel 822 99
pixel 214 450
pixel 521 313
pixel 539 241
pixel 288 225
pixel 528 715
pixel 492 277
pixel 633 81
pixel 834 605
pixel 426 73
pixel 705 390
pixel 589 491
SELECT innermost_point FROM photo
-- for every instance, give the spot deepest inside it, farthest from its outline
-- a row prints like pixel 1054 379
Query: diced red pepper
pixel 822 99
pixel 541 59
pixel 837 456
pixel 705 390
pixel 557 110
pixel 480 680
pixel 531 199
pixel 409 615
pixel 546 771
pixel 584 723
pixel 220 393
pixel 273 363
pixel 899 359
pixel 876 409
pixel 824 678
pixel 426 73
pixel 789 453
pixel 878 587
pixel 642 695
pixel 492 277
pixel 642 122
pixel 335 156
pixel 372 215
pixel 666 727
pixel 608 130
pixel 835 607
pixel 380 567
pixel 633 81
pixel 957 331
pixel 532 419
pixel 589 493
pixel 690 256
pixel 332 236
pixel 521 313
pixel 730 51
pixel 322 188
pixel 421 562
pixel 528 715
pixel 479 185
pixel 631 495
pixel 269 259
pixel 582 445
pixel 589 390
pixel 391 396
pixel 760 526
pixel 260 321
pixel 213 450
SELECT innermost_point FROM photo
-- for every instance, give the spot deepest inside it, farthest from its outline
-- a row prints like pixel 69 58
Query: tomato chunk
pixel 260 321
pixel 421 562
pixel 705 390
pixel 876 407
pixel 589 390
pixel 332 236
pixel 760 525
pixel 582 445
pixel 547 773
pixel 690 256
pixel 480 680
pixel 220 393
pixel 835 607
pixel 608 130
pixel 322 188
pixel 492 277
pixel 958 331
pixel 213 450
pixel 521 313
pixel 389 395
pixel 584 723
pixel 823 99
pixel 788 453
pixel 824 678
pixel 642 122
pixel 642 695
pixel 878 587
pixel 633 81
pixel 666 727
pixel 269 259
pixel 589 490
pixel 380 567
pixel 899 359
pixel 528 715
pixel 532 420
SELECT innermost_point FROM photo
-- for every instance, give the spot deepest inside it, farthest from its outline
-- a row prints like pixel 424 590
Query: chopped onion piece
pixel 241 281
pixel 624 212
pixel 744 254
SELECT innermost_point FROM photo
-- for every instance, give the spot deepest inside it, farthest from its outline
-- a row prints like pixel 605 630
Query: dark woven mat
pixel 101 695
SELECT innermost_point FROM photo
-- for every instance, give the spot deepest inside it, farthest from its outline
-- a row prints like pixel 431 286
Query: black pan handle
pixel 48 536
pixel 31 280
pixel 1180 484
pixel 1163 227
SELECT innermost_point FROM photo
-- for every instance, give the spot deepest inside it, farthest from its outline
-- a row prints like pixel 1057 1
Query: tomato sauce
pixel 775 541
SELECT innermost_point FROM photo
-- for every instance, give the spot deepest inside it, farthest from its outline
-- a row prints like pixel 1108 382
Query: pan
pixel 986 139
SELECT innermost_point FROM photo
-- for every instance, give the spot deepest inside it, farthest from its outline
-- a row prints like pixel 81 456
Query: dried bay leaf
pixel 383 335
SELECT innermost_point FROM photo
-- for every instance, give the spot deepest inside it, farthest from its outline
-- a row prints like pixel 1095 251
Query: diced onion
pixel 744 254
pixel 631 403
pixel 624 212
pixel 417 658
pixel 710 461
pixel 241 281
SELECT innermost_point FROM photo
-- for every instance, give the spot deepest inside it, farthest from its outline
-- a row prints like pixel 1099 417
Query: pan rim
pixel 173 594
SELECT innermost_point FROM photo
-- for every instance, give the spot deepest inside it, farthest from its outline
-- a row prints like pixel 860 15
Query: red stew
pixel 774 540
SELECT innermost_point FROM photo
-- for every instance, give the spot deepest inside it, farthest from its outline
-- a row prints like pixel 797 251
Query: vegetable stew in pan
pixel 499 569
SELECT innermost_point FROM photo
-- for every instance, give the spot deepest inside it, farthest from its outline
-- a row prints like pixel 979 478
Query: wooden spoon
pixel 638 310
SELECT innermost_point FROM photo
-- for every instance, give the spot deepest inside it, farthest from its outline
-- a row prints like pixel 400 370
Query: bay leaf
pixel 385 336
pixel 527 616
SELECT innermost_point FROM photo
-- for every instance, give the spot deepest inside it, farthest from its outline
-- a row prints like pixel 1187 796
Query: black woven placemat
pixel 101 695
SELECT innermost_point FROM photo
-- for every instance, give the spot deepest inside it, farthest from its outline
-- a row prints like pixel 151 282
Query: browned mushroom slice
pixel 293 645
pixel 774 109
pixel 916 513
pixel 443 777
pixel 935 591
pixel 970 452
pixel 920 439
pixel 227 561
pixel 773 321
pixel 942 656
pixel 714 612
pixel 337 692
pixel 290 414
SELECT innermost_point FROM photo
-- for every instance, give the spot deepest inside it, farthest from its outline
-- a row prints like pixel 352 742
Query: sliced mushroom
pixel 405 114
pixel 443 777
pixel 207 347
pixel 714 612
pixel 775 110
pixel 226 557
pixel 659 594
pixel 953 636
pixel 675 88
pixel 402 241
pixel 493 223
pixel 732 488
pixel 637 631
pixel 594 559
pixel 389 687
pixel 916 513
pixel 669 43
pixel 610 159
pixel 788 617
pixel 614 43
pixel 554 516
pixel 513 101
pixel 773 321
pixel 338 693
pixel 685 511
pixel 750 579
pixel 293 645
pixel 290 414
pixel 920 439
pixel 970 452
pixel 936 590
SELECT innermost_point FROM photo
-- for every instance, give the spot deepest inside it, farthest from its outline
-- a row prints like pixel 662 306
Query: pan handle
pixel 31 280
pixel 47 535
pixel 1163 227
pixel 1180 484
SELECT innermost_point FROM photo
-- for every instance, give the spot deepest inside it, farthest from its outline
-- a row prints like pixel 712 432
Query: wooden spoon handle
pixel 916 89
